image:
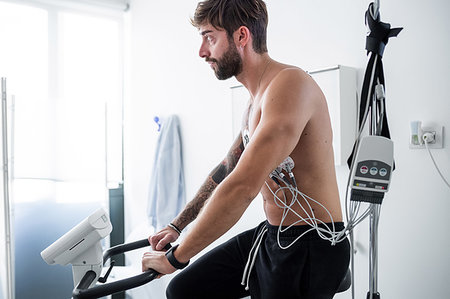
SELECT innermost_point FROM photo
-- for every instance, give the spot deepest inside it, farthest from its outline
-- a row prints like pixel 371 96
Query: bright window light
pixel 65 72
pixel 90 81
pixel 24 62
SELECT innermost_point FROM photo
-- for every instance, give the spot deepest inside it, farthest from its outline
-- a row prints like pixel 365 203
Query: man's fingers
pixel 163 243
pixel 161 239
pixel 154 240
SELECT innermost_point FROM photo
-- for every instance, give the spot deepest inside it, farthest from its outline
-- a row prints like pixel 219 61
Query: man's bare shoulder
pixel 295 83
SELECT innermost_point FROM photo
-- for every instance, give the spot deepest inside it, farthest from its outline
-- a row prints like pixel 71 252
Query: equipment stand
pixel 373 253
pixel 374 214
pixel 372 105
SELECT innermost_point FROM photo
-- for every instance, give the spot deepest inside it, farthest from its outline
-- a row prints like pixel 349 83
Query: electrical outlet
pixel 415 141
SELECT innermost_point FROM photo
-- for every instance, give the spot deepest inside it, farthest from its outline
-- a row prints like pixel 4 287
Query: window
pixel 64 69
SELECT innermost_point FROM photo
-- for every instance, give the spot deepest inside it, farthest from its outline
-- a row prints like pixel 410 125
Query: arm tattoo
pixel 194 207
pixel 219 173
pixel 228 164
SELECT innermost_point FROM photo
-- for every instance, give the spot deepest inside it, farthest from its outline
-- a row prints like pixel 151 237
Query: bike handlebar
pixel 82 290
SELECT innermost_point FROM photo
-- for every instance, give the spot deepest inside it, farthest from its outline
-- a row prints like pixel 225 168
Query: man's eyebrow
pixel 205 32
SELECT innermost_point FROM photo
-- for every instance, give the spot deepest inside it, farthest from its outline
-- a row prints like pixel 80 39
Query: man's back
pixel 313 153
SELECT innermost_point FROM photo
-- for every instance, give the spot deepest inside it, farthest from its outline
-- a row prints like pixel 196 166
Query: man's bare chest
pixel 251 118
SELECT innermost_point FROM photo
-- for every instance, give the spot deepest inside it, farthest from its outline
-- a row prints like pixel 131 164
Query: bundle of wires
pixel 304 202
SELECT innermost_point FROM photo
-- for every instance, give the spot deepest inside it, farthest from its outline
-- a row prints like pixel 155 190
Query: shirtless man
pixel 287 116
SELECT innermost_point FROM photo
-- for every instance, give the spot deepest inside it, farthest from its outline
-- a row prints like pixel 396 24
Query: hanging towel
pixel 167 193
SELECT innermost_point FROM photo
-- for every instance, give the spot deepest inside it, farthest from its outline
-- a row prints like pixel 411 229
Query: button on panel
pixel 373 171
pixel 364 169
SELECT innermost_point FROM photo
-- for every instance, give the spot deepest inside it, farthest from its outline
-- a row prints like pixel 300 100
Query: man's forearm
pixel 216 176
pixel 221 212
pixel 193 208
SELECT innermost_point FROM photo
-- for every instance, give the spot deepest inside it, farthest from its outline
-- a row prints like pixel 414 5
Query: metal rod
pixel 373 251
pixel 324 70
pixel 106 144
pixel 371 247
pixel 377 220
pixel 374 208
pixel 6 200
pixel 309 72
pixel 352 261
pixel 374 214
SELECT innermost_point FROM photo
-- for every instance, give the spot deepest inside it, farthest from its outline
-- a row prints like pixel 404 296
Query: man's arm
pixel 193 208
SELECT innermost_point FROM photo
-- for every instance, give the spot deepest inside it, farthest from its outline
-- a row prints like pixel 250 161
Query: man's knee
pixel 175 289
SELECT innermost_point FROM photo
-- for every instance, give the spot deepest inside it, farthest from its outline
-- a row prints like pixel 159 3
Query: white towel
pixel 167 192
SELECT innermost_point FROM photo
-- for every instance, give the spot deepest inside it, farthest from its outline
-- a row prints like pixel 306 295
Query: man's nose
pixel 203 51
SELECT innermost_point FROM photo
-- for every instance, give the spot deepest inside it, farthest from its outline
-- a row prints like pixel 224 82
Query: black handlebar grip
pixel 82 291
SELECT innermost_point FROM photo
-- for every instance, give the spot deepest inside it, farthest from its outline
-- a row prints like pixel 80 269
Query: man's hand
pixel 162 238
pixel 157 261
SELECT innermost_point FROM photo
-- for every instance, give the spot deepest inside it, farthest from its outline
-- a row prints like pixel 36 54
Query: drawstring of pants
pixel 252 258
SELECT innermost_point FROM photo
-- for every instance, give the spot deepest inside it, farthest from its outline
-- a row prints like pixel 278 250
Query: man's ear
pixel 242 37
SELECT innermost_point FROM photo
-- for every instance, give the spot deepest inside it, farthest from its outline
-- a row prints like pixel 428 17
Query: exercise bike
pixel 81 247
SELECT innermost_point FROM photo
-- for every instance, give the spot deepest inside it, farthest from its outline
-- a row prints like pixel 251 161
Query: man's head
pixel 229 64
pixel 232 14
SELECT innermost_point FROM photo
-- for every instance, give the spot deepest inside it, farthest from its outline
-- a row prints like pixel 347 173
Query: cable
pixel 252 258
pixel 434 162
pixel 303 201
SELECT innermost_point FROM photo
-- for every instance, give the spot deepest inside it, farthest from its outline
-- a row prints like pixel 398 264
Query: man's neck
pixel 255 67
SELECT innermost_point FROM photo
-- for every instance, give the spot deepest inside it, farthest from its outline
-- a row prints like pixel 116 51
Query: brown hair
pixel 231 14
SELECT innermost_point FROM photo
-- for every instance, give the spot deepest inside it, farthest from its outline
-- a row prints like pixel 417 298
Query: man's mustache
pixel 208 59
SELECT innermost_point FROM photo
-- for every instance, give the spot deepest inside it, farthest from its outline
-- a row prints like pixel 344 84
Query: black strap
pixel 173 261
pixel 379 34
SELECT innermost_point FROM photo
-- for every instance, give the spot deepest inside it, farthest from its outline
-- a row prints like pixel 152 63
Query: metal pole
pixel 373 253
pixel 374 216
pixel 9 266
pixel 352 260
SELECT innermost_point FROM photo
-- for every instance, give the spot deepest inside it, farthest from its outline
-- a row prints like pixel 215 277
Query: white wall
pixel 167 76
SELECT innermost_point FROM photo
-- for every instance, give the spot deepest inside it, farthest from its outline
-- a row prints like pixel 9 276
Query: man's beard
pixel 229 65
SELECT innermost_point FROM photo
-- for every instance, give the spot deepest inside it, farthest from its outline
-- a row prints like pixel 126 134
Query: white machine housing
pixel 373 165
pixel 81 246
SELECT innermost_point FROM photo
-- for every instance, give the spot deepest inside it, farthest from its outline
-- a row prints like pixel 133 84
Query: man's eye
pixel 209 39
